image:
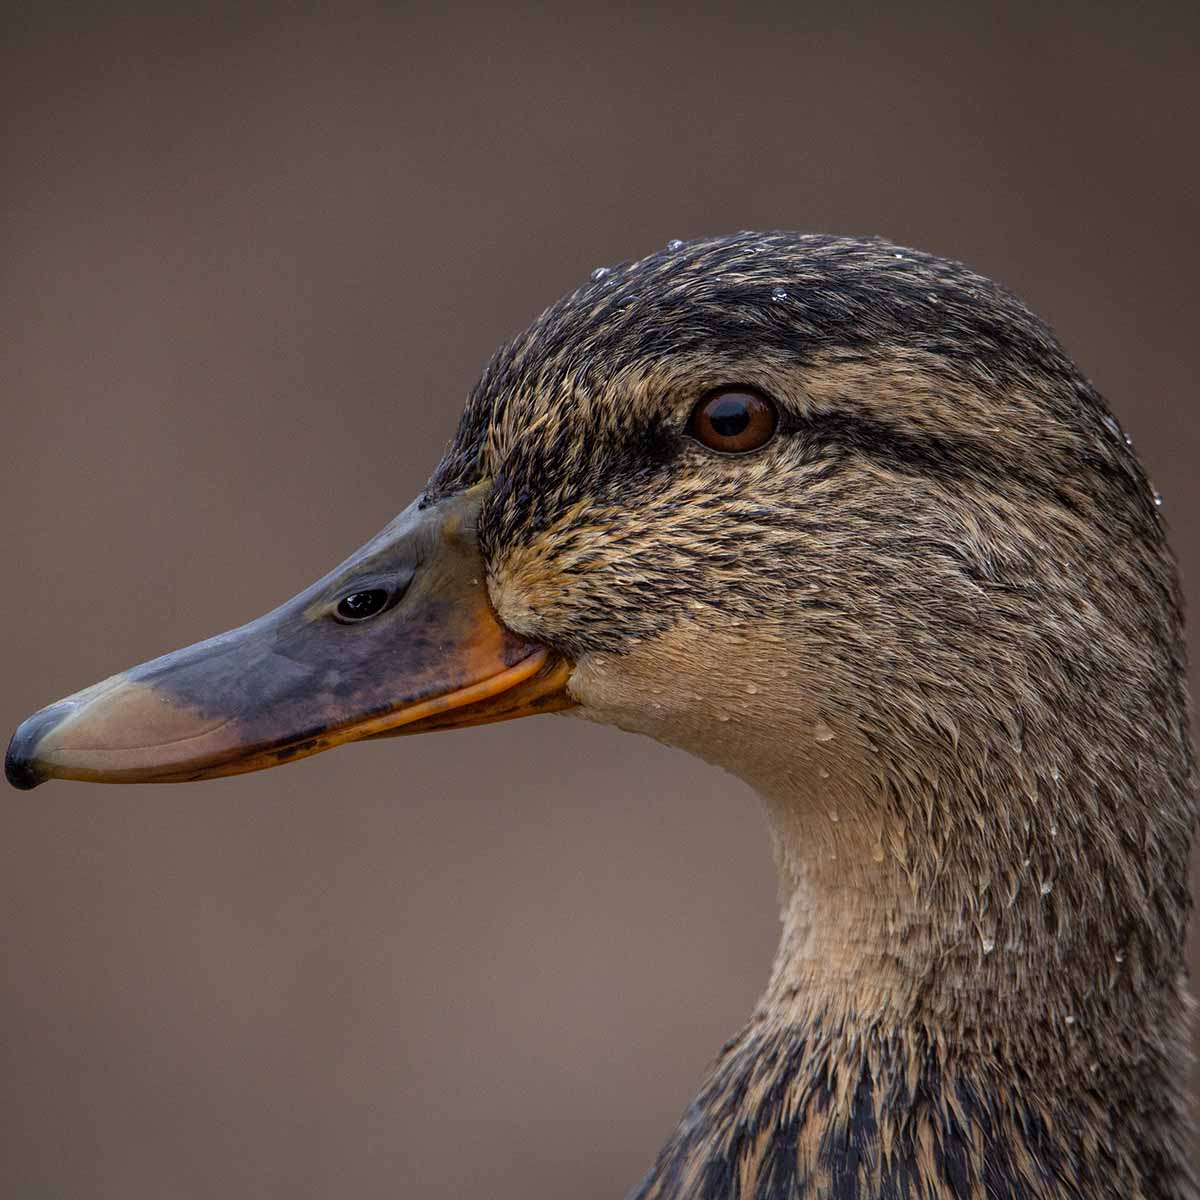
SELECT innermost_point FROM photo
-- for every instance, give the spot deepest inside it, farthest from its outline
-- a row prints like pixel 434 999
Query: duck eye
pixel 733 422
pixel 358 606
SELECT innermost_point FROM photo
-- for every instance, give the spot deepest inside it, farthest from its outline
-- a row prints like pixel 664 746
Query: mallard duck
pixel 844 519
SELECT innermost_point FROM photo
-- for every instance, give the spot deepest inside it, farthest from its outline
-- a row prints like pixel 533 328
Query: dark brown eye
pixel 733 422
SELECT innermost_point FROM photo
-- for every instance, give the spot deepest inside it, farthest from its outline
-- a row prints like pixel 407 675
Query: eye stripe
pixel 941 456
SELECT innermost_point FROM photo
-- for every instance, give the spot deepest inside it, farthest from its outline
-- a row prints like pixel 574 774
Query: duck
pixel 844 519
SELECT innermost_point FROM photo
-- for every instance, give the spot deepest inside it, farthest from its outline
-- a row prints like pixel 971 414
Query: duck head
pixel 839 516
pixel 845 519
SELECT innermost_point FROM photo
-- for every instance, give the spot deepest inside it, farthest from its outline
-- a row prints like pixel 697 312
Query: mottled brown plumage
pixel 937 625
pixel 933 621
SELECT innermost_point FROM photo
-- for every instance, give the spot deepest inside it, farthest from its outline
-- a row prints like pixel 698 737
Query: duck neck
pixel 1041 936
pixel 944 1024
pixel 872 932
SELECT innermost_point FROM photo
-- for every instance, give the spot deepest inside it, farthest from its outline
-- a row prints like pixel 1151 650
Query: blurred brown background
pixel 252 262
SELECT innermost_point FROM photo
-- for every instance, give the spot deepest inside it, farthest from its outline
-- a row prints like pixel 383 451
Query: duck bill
pixel 304 678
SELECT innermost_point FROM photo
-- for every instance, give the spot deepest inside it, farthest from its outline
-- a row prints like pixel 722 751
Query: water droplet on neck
pixel 779 293
pixel 1119 957
pixel 877 854
pixel 752 689
pixel 989 944
pixel 675 244
pixel 1158 500
pixel 1070 1019
pixel 833 816
pixel 824 774
pixel 599 273
pixel 1047 887
pixel 822 732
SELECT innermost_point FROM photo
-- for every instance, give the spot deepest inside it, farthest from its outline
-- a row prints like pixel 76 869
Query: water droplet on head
pixel 1070 1019
pixel 877 854
pixel 822 732
pixel 1054 831
pixel 1047 887
pixel 833 816
pixel 675 244
pixel 779 293
pixel 1119 956
pixel 599 273
pixel 989 944
pixel 1158 500
pixel 752 688
pixel 824 774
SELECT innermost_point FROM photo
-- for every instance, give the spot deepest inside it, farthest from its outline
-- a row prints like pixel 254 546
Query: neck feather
pixel 922 1037
pixel 848 1109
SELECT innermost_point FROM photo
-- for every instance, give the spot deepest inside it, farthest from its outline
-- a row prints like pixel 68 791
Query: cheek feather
pixel 608 571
